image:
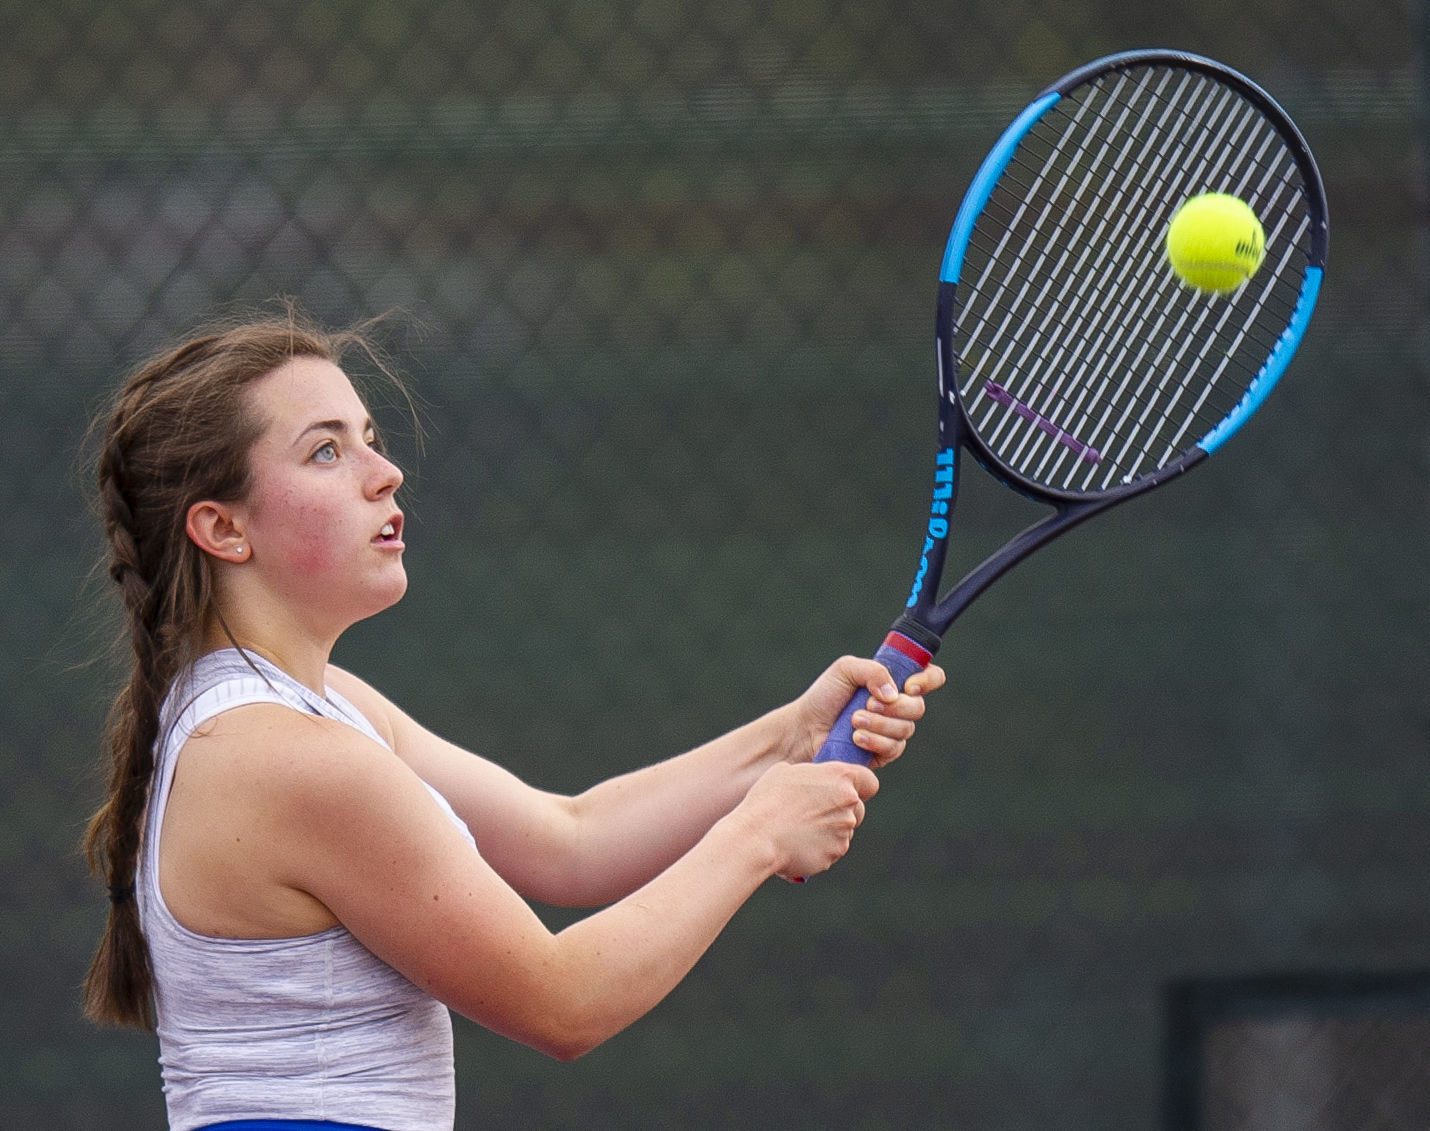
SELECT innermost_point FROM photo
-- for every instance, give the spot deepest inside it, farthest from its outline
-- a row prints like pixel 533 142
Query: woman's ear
pixel 216 530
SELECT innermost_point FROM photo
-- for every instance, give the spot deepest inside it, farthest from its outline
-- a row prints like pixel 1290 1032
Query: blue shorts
pixel 286 1125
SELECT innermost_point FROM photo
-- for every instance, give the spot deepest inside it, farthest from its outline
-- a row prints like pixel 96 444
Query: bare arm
pixel 616 836
pixel 356 829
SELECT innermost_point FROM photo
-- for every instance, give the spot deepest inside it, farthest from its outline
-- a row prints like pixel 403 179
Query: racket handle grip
pixel 903 657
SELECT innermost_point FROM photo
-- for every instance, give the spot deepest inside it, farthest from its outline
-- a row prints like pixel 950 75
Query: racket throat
pixel 919 635
pixel 1034 537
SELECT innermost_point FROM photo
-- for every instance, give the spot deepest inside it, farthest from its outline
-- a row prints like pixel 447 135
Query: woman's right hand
pixel 808 813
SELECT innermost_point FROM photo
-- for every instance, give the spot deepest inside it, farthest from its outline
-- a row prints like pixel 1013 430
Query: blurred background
pixel 663 276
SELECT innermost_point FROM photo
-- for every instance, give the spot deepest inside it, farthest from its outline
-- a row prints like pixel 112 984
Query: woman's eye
pixel 326 454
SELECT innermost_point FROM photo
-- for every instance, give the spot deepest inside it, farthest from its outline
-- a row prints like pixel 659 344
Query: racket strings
pixel 1086 363
pixel 1134 329
pixel 1113 249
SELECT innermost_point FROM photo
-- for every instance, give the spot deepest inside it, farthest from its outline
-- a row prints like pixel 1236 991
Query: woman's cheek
pixel 310 540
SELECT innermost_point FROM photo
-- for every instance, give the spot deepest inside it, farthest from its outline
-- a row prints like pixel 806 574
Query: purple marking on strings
pixel 1041 422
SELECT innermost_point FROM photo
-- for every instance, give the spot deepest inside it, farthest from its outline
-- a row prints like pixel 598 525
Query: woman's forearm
pixel 633 953
pixel 591 980
pixel 631 827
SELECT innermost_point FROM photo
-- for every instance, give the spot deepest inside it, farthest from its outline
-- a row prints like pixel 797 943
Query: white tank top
pixel 314 1027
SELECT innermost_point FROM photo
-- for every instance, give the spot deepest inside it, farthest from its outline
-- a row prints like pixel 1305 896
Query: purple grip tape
pixel 903 657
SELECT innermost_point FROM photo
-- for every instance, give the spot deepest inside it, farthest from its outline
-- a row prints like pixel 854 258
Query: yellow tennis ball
pixel 1215 242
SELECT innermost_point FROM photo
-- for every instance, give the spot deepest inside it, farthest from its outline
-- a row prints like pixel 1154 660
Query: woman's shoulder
pixel 374 706
pixel 302 794
pixel 262 740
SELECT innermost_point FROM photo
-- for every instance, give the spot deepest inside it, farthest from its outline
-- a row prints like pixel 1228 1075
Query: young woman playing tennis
pixel 302 879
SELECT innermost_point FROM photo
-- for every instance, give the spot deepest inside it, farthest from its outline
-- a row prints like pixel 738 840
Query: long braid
pixel 118 989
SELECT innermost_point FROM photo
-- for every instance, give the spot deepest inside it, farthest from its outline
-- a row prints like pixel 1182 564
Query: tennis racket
pixel 1072 363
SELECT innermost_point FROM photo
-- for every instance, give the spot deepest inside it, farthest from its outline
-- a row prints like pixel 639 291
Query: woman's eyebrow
pixel 338 426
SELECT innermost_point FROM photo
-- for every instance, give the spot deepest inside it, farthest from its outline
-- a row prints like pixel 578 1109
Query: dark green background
pixel 666 277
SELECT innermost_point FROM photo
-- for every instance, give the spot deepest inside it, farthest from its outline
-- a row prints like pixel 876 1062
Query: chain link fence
pixel 662 273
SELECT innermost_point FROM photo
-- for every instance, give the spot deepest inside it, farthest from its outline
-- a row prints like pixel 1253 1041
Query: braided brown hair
pixel 179 431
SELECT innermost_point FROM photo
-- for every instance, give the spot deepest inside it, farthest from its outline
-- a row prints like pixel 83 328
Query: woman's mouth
pixel 390 534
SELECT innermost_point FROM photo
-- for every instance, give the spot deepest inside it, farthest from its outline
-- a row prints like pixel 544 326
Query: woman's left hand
pixel 882 726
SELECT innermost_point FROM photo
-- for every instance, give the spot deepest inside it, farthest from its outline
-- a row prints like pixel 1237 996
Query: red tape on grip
pixel 914 651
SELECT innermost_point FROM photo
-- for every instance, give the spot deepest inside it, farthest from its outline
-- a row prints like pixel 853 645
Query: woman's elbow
pixel 569 1042
pixel 560 1033
pixel 567 1051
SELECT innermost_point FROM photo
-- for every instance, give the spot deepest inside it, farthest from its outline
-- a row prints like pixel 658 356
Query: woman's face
pixel 323 530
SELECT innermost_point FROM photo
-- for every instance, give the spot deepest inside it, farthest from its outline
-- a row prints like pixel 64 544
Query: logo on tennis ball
pixel 1215 242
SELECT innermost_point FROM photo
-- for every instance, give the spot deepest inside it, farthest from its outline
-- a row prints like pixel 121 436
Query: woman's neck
pixel 304 660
